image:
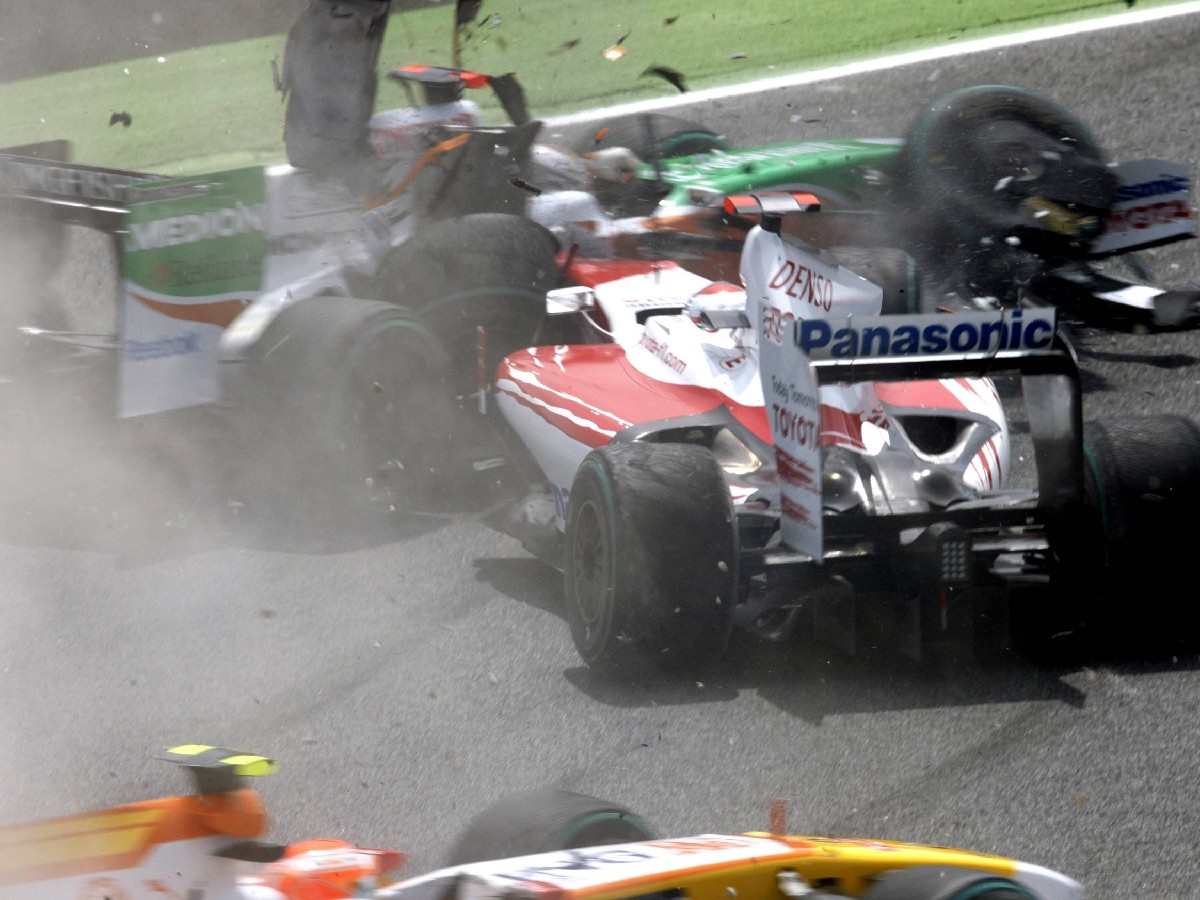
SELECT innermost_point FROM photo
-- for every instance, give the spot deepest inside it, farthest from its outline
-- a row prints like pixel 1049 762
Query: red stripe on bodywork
pixel 605 388
pixel 987 464
pixel 794 472
pixel 918 395
pixel 220 312
pixel 602 379
pixel 719 287
pixel 563 423
pixel 793 510
pixel 594 272
pixel 995 448
pixel 839 426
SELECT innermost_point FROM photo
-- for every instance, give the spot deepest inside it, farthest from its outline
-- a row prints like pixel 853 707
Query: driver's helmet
pixel 552 169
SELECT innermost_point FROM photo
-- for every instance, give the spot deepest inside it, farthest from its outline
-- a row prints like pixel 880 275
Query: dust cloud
pixel 73 475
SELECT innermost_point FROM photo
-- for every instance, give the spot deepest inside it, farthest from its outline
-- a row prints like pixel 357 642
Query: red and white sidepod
pixel 661 358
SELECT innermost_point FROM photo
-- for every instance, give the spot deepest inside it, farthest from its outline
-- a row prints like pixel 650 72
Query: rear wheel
pixel 487 271
pixel 543 821
pixel 938 883
pixel 349 408
pixel 1142 488
pixel 651 556
pixel 1142 478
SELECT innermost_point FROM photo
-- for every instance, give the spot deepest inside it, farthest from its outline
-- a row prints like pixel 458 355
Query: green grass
pixel 215 107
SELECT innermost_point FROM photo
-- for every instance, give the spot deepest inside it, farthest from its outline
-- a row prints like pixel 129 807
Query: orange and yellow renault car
pixel 549 845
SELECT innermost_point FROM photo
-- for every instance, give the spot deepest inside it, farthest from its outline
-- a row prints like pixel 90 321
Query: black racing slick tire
pixel 945 883
pixel 487 271
pixel 1142 482
pixel 990 168
pixel 544 821
pixel 651 557
pixel 346 408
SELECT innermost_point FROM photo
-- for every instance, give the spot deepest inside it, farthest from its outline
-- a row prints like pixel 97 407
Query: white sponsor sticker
pixel 575 870
pixel 781 297
pixel 959 334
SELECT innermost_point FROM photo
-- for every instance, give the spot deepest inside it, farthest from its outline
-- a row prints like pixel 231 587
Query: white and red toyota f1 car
pixel 707 456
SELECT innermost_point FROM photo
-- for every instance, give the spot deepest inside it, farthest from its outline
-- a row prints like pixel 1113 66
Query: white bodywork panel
pixel 1153 203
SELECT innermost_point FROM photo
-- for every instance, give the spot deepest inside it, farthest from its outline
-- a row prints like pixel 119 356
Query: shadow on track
pixel 145 507
pixel 1166 361
pixel 810 681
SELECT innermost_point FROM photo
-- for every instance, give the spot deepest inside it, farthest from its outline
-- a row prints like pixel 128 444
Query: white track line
pixel 881 63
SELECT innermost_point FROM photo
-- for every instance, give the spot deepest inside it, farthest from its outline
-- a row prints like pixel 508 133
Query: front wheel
pixel 945 883
pixel 651 556
pixel 543 821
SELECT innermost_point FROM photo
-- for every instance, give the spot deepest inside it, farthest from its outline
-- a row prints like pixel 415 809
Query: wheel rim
pixel 590 566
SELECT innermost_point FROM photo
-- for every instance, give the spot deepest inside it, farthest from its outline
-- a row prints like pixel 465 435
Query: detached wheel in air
pixel 651 556
pixel 945 883
pixel 992 175
pixel 543 821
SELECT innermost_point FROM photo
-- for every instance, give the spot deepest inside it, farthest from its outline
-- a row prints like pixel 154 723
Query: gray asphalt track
pixel 407 679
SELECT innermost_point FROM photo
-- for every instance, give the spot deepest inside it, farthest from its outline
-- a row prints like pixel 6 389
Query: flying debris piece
pixel 671 76
pixel 524 185
pixel 565 46
pixel 670 20
pixel 601 135
pixel 621 39
pixel 465 11
pixel 120 118
pixel 615 52
pixel 738 56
